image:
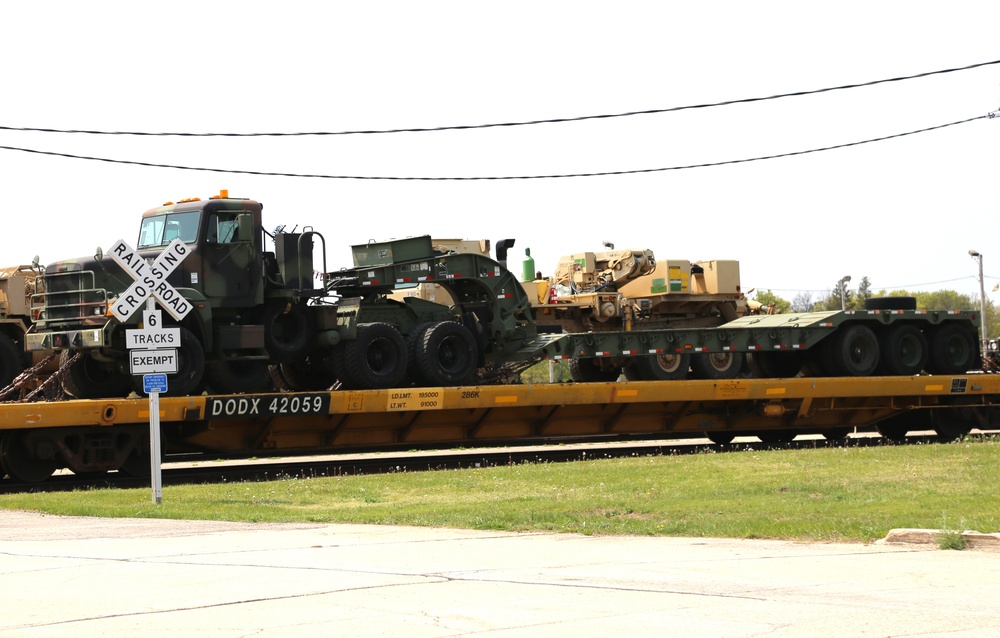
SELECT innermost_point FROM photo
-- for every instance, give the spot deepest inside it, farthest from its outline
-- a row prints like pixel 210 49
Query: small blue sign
pixel 154 383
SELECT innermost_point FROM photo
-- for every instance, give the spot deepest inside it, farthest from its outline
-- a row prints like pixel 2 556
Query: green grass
pixel 832 494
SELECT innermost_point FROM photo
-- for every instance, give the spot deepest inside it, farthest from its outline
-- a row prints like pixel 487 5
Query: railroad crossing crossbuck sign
pixel 150 280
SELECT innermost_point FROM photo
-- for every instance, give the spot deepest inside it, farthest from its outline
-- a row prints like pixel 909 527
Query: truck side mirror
pixel 244 223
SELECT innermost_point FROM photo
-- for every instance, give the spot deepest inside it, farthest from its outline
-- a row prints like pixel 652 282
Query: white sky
pixel 904 212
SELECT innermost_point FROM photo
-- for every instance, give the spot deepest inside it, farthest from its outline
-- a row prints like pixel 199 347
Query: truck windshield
pixel 163 229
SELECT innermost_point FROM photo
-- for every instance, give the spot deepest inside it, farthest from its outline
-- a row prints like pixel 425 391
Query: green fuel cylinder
pixel 528 266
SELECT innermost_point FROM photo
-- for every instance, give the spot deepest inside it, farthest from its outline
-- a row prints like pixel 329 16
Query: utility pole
pixel 975 254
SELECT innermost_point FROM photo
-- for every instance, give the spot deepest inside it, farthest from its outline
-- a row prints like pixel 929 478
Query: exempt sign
pixel 146 361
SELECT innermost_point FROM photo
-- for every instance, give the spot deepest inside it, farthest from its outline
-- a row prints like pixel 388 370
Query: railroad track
pixel 187 471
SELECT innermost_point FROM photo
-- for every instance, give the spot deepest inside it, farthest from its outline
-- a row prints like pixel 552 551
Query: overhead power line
pixel 501 177
pixel 559 120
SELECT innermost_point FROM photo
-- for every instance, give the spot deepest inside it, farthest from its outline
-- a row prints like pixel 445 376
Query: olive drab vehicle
pixel 249 304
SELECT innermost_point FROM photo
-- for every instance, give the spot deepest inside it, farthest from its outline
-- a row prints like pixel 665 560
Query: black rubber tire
pixel 776 365
pixel 903 350
pixel 590 371
pixel 88 378
pixel 12 360
pixel 376 358
pixel 414 342
pixel 315 372
pixel 891 303
pixel 855 351
pixel 953 349
pixel 658 367
pixel 17 462
pixel 716 365
pixel 190 368
pixel 288 331
pixel 446 355
pixel 238 376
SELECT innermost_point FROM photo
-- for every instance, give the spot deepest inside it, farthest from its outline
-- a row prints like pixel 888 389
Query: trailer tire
pixel 658 367
pixel 375 359
pixel 952 350
pixel 716 365
pixel 88 378
pixel 891 303
pixel 238 376
pixel 903 350
pixel 288 331
pixel 591 371
pixel 12 360
pixel 855 351
pixel 446 354
pixel 775 365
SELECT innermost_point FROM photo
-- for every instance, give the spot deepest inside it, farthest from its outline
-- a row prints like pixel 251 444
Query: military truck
pixel 260 318
pixel 17 285
pixel 629 289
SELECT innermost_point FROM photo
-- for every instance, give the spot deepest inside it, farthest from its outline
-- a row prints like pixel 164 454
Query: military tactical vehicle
pixel 17 285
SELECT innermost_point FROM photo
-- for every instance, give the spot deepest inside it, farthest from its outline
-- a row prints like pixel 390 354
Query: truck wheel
pixel 375 358
pixel 903 350
pixel 288 332
pixel 716 365
pixel 12 360
pixel 590 371
pixel 315 372
pixel 952 350
pixel 88 378
pixel 855 351
pixel 235 376
pixel 414 342
pixel 190 368
pixel 446 356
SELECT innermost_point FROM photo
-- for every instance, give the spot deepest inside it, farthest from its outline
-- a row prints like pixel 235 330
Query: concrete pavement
pixel 138 577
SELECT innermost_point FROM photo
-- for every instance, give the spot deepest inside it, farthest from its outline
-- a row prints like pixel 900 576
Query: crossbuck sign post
pixel 153 349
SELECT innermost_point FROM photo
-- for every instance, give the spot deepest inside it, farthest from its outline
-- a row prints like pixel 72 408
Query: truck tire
pixel 288 331
pixel 658 367
pixel 446 355
pixel 12 360
pixel 190 368
pixel 855 351
pixel 716 365
pixel 375 359
pixel 238 376
pixel 314 372
pixel 903 350
pixel 88 378
pixel 953 350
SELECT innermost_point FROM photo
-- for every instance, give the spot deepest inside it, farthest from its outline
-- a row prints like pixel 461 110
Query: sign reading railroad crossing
pixel 152 349
pixel 150 280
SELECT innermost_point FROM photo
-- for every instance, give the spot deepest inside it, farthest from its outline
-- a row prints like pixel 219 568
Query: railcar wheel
pixel 288 331
pixel 855 351
pixel 775 365
pixel 376 358
pixel 238 376
pixel 20 464
pixel 893 432
pixel 137 463
pixel 953 350
pixel 590 371
pixel 836 434
pixel 903 350
pixel 720 438
pixel 446 354
pixel 658 367
pixel 776 437
pixel 716 365
pixel 88 378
